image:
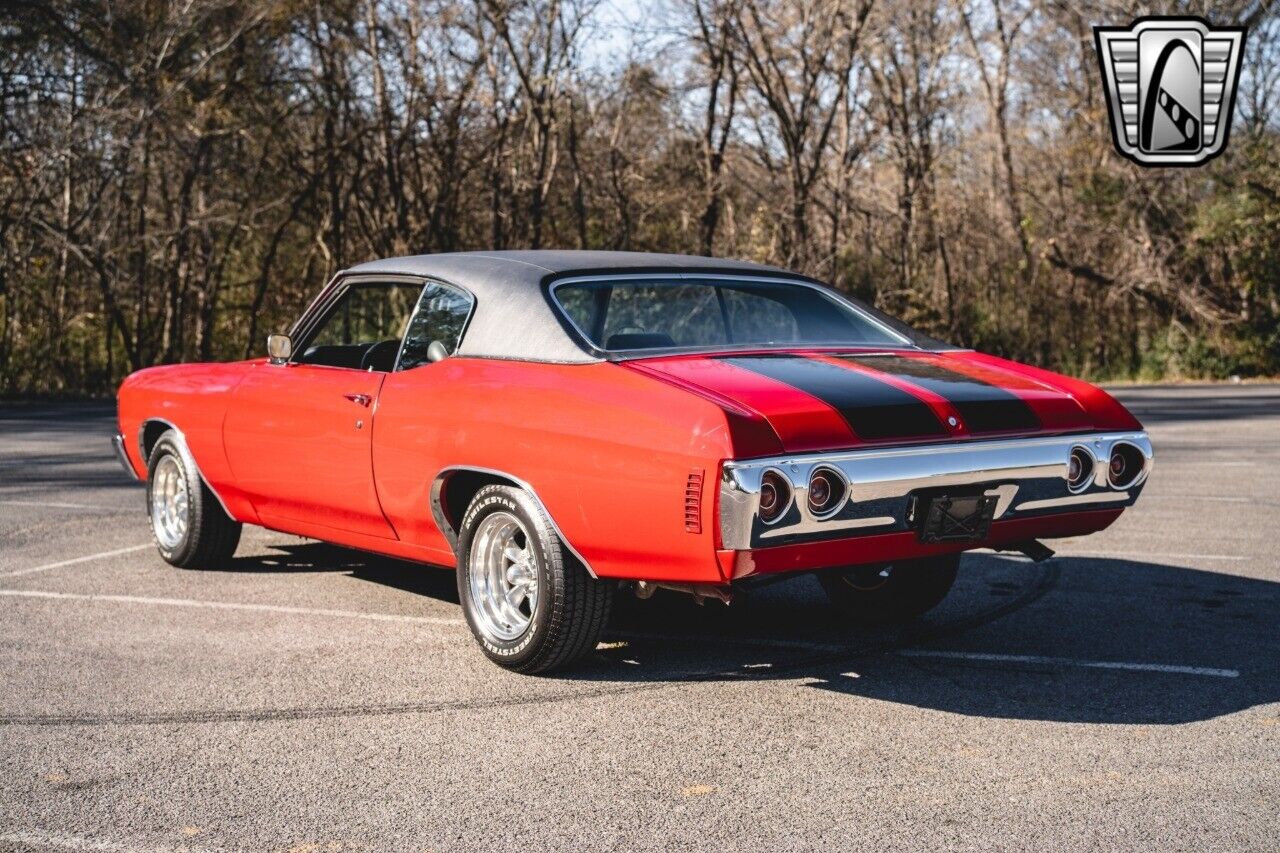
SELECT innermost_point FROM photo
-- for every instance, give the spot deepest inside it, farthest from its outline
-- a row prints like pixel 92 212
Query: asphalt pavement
pixel 1123 695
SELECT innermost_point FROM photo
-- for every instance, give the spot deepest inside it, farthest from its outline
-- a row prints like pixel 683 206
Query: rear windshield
pixel 712 313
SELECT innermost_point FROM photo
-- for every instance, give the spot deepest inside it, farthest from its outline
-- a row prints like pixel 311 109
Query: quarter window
pixel 441 315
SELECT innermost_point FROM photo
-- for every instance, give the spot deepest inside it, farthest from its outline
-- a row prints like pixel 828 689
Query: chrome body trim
pixel 442 521
pixel 117 444
pixel 1026 475
pixel 182 443
pixel 1073 500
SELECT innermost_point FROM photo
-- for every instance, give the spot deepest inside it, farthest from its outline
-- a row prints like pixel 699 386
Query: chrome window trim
pixel 462 333
pixel 902 341
pixel 320 307
pixel 442 521
pixel 1025 474
pixel 186 448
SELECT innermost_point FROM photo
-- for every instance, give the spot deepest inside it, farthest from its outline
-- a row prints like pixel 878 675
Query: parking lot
pixel 1125 694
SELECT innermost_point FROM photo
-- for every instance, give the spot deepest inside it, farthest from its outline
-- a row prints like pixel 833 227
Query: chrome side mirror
pixel 437 352
pixel 279 348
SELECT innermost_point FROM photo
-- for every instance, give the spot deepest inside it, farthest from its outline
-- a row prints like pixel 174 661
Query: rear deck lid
pixel 820 400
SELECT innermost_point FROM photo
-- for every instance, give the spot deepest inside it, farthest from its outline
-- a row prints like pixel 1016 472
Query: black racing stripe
pixel 983 406
pixel 873 409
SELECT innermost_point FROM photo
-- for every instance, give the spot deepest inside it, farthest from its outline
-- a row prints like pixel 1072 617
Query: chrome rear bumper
pixel 1028 476
pixel 117 444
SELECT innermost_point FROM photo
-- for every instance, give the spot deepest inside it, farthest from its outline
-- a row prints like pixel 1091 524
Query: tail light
pixel 775 496
pixel 826 493
pixel 1080 467
pixel 1125 465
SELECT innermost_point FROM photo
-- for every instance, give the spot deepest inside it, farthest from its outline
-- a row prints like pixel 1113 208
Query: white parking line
pixel 774 642
pixel 1089 664
pixel 229 605
pixel 61 563
pixel 52 504
pixel 61 841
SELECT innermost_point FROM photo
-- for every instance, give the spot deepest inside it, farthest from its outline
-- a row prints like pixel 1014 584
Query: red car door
pixel 298 438
pixel 299 435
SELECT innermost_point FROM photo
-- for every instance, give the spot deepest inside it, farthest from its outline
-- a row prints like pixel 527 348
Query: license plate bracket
pixel 956 518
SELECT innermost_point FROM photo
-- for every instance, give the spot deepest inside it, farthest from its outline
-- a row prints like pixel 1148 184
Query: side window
pixel 363 330
pixel 442 312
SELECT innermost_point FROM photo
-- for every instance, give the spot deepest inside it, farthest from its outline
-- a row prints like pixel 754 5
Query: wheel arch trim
pixel 183 447
pixel 446 527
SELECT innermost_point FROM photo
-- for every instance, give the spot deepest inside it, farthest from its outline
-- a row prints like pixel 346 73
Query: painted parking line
pixel 770 642
pixel 229 605
pixel 90 558
pixel 1055 661
pixel 63 841
pixel 54 505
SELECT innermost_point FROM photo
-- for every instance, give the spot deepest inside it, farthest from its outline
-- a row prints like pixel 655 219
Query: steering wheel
pixel 381 356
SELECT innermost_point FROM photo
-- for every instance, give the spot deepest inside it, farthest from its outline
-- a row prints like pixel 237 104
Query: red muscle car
pixel 556 425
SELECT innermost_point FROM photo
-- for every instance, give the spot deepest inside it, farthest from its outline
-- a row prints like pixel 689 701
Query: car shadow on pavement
pixel 311 557
pixel 1088 640
pixel 1091 640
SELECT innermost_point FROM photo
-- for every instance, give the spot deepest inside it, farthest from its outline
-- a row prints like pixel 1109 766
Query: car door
pixel 412 444
pixel 298 435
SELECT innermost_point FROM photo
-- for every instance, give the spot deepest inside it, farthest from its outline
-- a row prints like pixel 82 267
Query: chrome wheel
pixel 170 502
pixel 503 577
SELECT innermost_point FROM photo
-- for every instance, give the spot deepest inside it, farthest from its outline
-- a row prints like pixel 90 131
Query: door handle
pixel 359 399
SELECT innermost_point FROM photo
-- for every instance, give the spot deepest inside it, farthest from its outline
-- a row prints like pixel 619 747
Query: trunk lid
pixel 830 399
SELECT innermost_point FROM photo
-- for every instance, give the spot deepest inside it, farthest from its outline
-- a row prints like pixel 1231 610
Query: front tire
pixel 890 593
pixel 531 605
pixel 190 528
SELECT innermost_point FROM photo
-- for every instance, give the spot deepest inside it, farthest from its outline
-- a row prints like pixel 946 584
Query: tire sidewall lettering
pixel 483 505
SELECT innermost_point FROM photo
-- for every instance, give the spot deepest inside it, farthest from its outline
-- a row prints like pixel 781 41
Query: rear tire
pixel 190 528
pixel 890 593
pixel 531 605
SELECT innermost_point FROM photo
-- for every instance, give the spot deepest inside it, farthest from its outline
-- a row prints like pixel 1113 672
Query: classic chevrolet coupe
pixel 557 425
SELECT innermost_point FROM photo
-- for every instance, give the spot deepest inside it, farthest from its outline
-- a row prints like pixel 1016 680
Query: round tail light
pixel 775 496
pixel 1079 469
pixel 826 492
pixel 1125 466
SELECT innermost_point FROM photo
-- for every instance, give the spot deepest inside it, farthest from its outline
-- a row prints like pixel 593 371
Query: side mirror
pixel 437 352
pixel 279 348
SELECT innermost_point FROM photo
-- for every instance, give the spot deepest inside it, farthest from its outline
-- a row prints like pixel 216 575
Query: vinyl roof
pixel 514 317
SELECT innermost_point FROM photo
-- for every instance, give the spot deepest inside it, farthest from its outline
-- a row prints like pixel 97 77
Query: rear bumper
pixel 117 444
pixel 886 547
pixel 1028 478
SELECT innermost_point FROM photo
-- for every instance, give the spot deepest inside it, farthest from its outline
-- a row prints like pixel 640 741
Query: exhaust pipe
pixel 701 592
pixel 1033 548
